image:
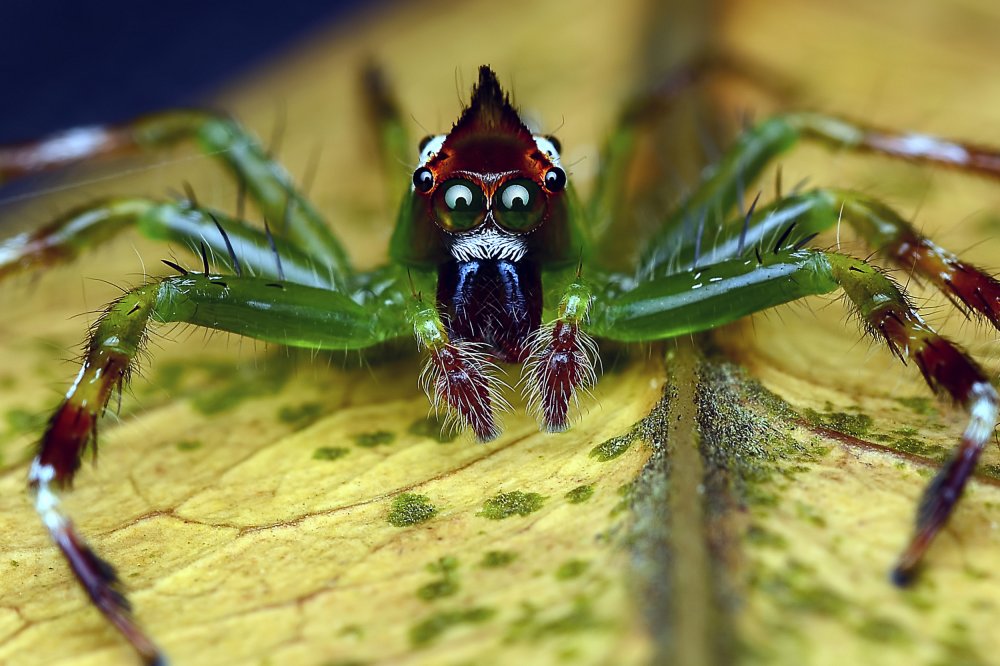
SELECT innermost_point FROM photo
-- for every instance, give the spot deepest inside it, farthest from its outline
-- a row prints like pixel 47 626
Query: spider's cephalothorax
pixel 490 229
pixel 488 210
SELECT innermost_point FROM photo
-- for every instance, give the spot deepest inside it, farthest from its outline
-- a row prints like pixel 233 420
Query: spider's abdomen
pixel 494 301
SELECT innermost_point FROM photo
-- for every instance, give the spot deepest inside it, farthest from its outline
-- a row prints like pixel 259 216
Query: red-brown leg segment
pixel 960 281
pixel 886 313
pixel 97 576
pixel 62 149
pixel 114 344
pixel 967 286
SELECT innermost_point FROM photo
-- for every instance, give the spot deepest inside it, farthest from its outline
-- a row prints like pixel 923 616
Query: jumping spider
pixel 494 259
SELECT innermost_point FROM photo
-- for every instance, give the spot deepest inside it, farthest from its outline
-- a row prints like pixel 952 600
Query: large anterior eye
pixel 522 206
pixel 458 197
pixel 515 197
pixel 459 205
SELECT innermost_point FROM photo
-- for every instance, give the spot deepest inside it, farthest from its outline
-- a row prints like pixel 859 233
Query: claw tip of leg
pixel 902 576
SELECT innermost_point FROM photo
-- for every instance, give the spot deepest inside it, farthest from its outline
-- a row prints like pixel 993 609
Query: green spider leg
pixel 643 115
pixel 267 182
pixel 282 312
pixel 296 289
pixel 182 222
pixel 883 229
pixel 703 297
pixel 715 197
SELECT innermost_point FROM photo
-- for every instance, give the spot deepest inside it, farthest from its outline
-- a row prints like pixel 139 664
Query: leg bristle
pixel 883 307
pixel 964 284
pixel 561 363
pixel 457 376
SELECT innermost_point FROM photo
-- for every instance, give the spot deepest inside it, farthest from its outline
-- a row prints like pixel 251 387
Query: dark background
pixel 67 63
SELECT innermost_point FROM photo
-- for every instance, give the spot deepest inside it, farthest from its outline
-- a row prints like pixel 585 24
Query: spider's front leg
pixel 264 309
pixel 807 213
pixel 716 294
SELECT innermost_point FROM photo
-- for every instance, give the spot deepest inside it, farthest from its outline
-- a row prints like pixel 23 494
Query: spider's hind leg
pixel 232 243
pixel 709 205
pixel 268 184
pixel 396 155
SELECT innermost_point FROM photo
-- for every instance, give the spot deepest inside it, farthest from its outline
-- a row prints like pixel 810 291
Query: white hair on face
pixel 549 148
pixel 487 242
pixel 432 148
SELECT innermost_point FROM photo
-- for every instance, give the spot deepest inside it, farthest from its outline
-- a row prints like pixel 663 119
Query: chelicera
pixel 495 260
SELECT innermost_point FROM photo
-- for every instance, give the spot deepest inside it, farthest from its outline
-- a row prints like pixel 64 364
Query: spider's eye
pixel 555 179
pixel 515 197
pixel 423 179
pixel 458 197
pixel 522 206
pixel 423 143
pixel 459 205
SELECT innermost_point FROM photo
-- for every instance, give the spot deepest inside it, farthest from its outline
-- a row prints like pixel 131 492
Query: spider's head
pixel 488 189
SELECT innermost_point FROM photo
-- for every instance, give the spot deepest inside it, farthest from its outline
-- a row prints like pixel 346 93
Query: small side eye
pixel 555 142
pixel 424 141
pixel 423 179
pixel 555 179
pixel 515 197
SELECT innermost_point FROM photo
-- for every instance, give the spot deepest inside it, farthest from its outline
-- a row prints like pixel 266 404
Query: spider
pixel 495 260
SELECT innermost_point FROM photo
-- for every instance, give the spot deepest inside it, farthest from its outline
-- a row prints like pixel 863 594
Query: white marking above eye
pixel 432 148
pixel 549 149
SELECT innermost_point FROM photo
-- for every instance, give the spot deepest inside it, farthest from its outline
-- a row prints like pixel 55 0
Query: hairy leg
pixel 75 232
pixel 708 297
pixel 796 218
pixel 713 200
pixel 261 308
pixel 266 181
pixel 458 376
